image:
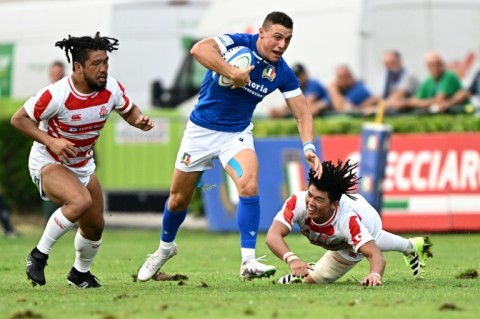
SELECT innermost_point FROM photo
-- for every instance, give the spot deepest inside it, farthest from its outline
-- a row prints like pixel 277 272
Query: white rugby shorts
pixel 200 146
pixel 39 157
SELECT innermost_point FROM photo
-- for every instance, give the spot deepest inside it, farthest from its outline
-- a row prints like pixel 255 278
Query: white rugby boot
pixel 154 262
pixel 253 268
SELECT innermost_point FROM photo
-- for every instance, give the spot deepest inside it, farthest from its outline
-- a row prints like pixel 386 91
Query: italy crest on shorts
pixel 185 159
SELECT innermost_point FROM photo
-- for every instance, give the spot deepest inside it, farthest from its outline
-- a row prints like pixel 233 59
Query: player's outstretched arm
pixel 377 264
pixel 136 118
pixel 275 241
pixel 298 107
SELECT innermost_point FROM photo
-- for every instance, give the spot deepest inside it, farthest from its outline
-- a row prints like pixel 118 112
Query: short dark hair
pixel 80 47
pixel 277 17
pixel 336 180
pixel 299 69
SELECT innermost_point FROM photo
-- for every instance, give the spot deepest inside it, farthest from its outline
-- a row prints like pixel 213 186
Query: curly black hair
pixel 78 47
pixel 336 180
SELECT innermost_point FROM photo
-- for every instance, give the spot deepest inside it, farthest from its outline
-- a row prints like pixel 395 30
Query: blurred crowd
pixel 441 91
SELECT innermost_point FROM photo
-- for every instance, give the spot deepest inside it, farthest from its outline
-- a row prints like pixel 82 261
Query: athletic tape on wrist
pixel 375 274
pixel 291 258
pixel 309 146
pixel 287 255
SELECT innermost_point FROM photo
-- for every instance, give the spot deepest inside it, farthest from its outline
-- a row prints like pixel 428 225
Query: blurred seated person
pixel 473 91
pixel 347 94
pixel 315 94
pixel 56 71
pixel 399 82
pixel 441 91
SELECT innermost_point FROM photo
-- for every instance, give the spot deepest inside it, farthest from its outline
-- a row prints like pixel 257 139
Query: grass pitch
pixel 214 289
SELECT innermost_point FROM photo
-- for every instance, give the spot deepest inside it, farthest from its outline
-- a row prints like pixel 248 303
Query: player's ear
pixel 334 205
pixel 261 32
pixel 77 66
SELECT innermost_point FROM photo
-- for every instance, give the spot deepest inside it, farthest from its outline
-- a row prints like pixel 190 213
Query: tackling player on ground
pixel 219 127
pixel 345 224
pixel 65 120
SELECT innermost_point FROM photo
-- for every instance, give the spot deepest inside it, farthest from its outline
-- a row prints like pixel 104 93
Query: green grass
pixel 213 259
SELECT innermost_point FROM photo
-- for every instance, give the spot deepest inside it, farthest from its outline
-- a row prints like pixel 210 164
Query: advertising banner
pixel 432 181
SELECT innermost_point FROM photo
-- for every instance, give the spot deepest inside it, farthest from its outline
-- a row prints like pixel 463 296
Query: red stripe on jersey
pixel 327 230
pixel 53 126
pixel 75 103
pixel 80 129
pixel 289 207
pixel 79 164
pixel 42 104
pixel 84 142
pixel 355 230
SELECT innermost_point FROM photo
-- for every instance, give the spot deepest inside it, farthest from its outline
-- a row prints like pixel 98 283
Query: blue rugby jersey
pixel 224 109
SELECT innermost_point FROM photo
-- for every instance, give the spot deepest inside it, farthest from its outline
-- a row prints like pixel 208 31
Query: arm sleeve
pixel 42 106
pixel 358 234
pixel 228 41
pixel 123 103
pixel 290 212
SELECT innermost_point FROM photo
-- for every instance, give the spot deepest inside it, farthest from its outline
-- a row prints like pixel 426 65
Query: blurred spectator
pixel 315 93
pixel 473 92
pixel 348 94
pixel 399 83
pixel 56 71
pixel 5 219
pixel 441 91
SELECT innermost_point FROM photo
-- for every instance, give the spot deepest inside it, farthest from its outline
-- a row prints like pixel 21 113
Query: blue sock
pixel 171 223
pixel 248 220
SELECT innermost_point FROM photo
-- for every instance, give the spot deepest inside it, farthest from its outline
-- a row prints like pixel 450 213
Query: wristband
pixel 309 146
pixel 375 274
pixel 287 255
pixel 289 259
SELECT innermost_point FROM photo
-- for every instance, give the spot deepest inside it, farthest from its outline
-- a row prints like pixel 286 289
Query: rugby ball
pixel 240 57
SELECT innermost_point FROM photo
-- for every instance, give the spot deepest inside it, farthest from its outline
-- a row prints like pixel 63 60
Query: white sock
pixel 56 227
pixel 247 254
pixel 86 250
pixel 390 242
pixel 165 247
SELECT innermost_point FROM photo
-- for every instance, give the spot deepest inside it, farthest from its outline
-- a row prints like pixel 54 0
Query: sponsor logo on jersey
pixel 269 73
pixel 73 129
pixel 185 159
pixel 103 112
pixel 76 117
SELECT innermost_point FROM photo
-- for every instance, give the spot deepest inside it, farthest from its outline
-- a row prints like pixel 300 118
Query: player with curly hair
pixel 330 215
pixel 65 120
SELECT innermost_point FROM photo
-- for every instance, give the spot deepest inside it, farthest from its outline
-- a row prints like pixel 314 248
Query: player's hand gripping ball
pixel 240 57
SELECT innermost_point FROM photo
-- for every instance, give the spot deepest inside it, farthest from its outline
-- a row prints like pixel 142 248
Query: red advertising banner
pixel 432 181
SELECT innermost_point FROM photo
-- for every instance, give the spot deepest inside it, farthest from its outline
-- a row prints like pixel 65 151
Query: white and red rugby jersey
pixel 62 111
pixel 353 223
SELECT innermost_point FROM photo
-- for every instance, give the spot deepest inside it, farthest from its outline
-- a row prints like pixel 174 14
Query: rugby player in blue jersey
pixel 220 127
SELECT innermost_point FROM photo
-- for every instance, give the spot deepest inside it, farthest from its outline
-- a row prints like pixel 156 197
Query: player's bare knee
pixel 177 202
pixel 247 187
